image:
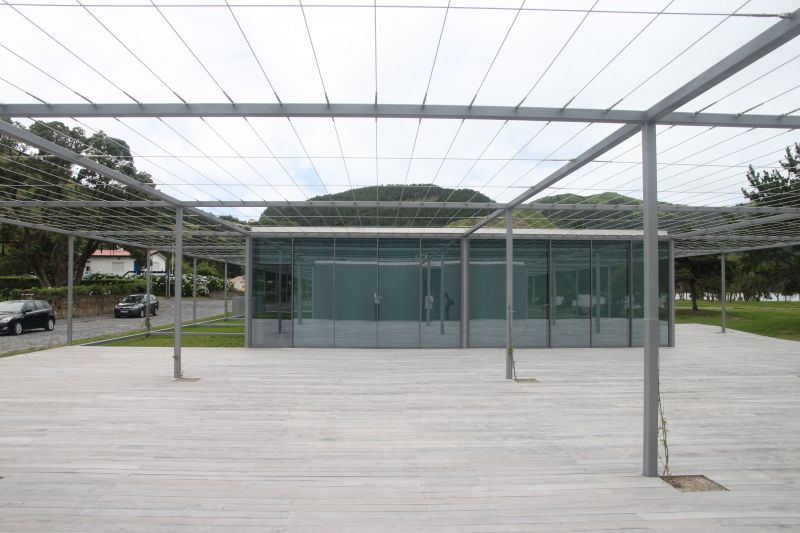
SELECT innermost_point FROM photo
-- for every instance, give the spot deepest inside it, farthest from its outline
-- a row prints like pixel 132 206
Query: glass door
pixel 397 304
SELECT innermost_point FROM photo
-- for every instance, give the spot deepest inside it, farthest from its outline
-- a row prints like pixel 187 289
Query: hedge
pixel 18 282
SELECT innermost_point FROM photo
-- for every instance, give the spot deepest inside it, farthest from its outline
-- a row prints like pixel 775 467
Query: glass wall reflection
pixel 272 292
pixel 571 295
pixel 531 297
pixel 398 296
pixel 357 301
pixel 637 332
pixel 313 292
pixel 440 294
pixel 610 302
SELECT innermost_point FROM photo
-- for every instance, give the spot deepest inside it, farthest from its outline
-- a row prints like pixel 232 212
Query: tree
pixel 26 173
pixel 773 187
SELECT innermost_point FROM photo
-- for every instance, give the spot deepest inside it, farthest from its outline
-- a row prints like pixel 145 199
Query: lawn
pixel 199 341
pixel 770 318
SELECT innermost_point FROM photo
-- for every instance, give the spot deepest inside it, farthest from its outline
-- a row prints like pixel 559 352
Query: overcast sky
pixel 62 52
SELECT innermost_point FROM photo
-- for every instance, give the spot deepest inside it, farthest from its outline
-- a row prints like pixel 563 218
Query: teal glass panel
pixel 571 294
pixel 313 292
pixel 530 293
pixel 610 283
pixel 637 333
pixel 272 292
pixel 487 293
pixel 439 300
pixel 398 298
pixel 357 300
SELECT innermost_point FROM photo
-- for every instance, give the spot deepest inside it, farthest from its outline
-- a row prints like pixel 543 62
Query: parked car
pixel 19 315
pixel 134 305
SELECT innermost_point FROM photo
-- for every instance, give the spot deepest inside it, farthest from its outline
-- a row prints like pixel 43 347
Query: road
pixel 95 326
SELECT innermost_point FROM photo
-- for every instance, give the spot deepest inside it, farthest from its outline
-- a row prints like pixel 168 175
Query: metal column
pixel 671 297
pixel 723 299
pixel 509 291
pixel 225 294
pixel 465 293
pixel 194 291
pixel 178 276
pixel 248 293
pixel 441 295
pixel 148 290
pixel 650 216
pixel 70 284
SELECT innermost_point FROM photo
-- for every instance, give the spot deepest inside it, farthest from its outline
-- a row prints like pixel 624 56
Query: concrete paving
pixel 95 326
pixel 304 440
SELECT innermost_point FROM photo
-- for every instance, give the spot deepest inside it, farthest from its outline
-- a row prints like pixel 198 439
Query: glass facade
pixel 406 293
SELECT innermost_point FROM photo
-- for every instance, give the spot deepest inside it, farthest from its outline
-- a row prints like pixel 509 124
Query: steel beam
pixel 68 155
pixel 671 297
pixel 194 291
pixel 70 284
pixel 767 41
pixel 651 326
pixel 723 299
pixel 409 111
pixel 177 370
pixel 509 292
pixel 737 250
pixel 737 225
pixel 148 290
pixel 248 293
pixel 225 293
pixel 84 234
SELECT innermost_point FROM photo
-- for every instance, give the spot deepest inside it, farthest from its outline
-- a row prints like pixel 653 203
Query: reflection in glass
pixel 530 298
pixel 397 299
pixel 487 293
pixel 357 300
pixel 610 287
pixel 440 294
pixel 571 295
pixel 637 330
pixel 272 292
pixel 313 292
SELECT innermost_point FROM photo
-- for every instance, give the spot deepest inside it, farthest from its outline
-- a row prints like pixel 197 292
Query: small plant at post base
pixel 662 434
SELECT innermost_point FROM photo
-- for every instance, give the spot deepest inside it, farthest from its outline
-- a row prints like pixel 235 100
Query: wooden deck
pixel 102 439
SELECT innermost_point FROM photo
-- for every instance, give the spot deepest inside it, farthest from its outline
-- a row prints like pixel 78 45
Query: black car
pixel 19 315
pixel 134 305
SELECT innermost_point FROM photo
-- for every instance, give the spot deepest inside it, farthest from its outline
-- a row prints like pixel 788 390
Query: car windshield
pixel 11 307
pixel 134 298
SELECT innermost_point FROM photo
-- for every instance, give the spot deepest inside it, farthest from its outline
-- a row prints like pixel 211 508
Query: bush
pixel 120 288
pixel 18 282
pixel 205 284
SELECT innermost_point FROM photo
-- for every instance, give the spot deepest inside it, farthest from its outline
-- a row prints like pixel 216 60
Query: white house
pixel 120 262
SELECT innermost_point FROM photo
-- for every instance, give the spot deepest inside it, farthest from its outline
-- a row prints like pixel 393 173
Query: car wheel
pixel 51 324
pixel 16 329
pixel 142 313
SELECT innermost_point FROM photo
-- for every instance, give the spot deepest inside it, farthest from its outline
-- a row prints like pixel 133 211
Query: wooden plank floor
pixel 102 439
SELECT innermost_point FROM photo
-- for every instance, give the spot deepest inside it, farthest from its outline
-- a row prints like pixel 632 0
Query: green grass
pixel 773 319
pixel 204 341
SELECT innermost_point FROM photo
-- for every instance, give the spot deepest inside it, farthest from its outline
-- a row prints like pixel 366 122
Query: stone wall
pixel 85 305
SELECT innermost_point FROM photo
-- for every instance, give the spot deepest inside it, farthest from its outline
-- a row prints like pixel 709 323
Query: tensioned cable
pixel 314 52
pixel 64 85
pixel 20 89
pixel 344 163
pixel 675 58
pixel 497 54
pixel 191 51
pixel 441 164
pixel 558 54
pixel 619 53
pixel 73 54
pixel 131 52
pixel 408 168
pixel 253 52
pixel 436 53
pixel 768 100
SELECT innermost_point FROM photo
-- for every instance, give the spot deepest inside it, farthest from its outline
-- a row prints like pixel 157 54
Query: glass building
pixel 330 288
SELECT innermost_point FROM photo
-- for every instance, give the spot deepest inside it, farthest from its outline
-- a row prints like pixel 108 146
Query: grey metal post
pixel 441 296
pixel 70 283
pixel 194 291
pixel 671 303
pixel 178 276
pixel 248 293
pixel 148 289
pixel 278 295
pixel 723 299
pixel 225 294
pixel 651 327
pixel 428 302
pixel 596 290
pixel 465 293
pixel 509 291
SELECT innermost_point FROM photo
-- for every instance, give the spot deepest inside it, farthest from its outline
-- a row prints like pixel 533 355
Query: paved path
pixel 95 326
pixel 99 439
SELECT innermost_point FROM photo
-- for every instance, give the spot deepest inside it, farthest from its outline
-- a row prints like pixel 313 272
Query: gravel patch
pixel 95 326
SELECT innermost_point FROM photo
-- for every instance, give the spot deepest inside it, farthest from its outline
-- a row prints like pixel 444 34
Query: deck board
pixel 301 440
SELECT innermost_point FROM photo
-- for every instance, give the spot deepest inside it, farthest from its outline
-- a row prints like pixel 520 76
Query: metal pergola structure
pixel 585 149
